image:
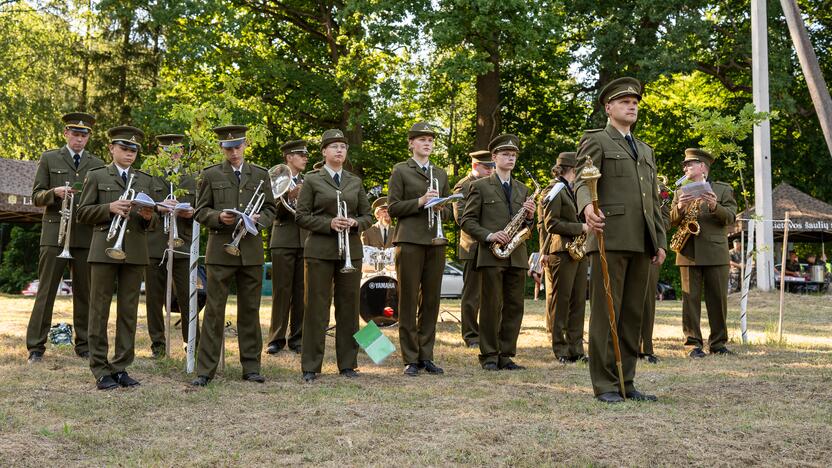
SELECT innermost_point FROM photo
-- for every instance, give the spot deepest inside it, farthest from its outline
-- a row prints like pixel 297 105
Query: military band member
pixel 629 218
pixel 232 184
pixel 703 260
pixel 286 247
pixel 318 212
pixel 481 166
pixel 380 234
pixel 55 169
pixel 565 277
pixel 420 262
pixel 648 322
pixel 157 243
pixel 100 202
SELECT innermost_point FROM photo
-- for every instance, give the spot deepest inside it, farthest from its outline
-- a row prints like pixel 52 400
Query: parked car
pixel 64 289
pixel 452 280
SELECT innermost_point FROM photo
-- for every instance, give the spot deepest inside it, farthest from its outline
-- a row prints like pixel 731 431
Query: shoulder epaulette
pixel 594 130
pixel 725 184
pixel 143 172
pixel 96 169
pixel 260 167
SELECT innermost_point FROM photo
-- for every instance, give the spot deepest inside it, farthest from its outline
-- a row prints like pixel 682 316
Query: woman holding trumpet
pixel 233 254
pixel 334 208
pixel 118 254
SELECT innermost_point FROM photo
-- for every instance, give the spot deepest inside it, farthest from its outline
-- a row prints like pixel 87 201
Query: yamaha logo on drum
pixel 388 285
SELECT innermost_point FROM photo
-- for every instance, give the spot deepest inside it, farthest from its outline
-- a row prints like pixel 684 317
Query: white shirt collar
pixel 73 153
pixel 121 170
pixel 423 167
pixel 501 179
pixel 236 168
pixel 332 172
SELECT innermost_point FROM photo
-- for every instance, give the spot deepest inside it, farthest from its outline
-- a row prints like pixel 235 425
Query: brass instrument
pixel 577 247
pixel 689 226
pixel 64 229
pixel 253 207
pixel 515 228
pixel 282 182
pixel 435 217
pixel 118 226
pixel 344 235
pixel 170 222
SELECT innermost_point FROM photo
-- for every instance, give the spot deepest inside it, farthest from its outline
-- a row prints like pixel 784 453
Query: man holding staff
pixel 629 214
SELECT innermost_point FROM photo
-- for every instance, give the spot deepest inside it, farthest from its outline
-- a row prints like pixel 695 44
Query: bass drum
pixel 380 300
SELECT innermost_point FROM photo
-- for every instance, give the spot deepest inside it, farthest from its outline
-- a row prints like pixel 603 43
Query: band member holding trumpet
pixel 628 224
pixel 118 253
pixel 420 248
pixel 157 243
pixel 287 257
pixel 702 253
pixel 566 262
pixel 233 254
pixel 499 213
pixel 333 207
pixel 63 241
pixel 481 166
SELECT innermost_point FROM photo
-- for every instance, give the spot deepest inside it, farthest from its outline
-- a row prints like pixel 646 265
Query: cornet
pixel 64 229
pixel 435 217
pixel 170 222
pixel 253 207
pixel 118 226
pixel 344 235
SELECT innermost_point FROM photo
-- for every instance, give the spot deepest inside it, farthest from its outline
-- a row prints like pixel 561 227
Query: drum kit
pixel 379 288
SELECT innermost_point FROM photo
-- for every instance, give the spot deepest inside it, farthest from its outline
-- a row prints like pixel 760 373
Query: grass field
pixel 771 404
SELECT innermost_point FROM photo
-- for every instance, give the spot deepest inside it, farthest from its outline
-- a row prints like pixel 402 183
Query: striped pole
pixel 193 305
pixel 746 283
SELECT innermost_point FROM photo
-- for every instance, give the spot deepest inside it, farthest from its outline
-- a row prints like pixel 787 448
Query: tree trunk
pixel 488 104
pixel 126 23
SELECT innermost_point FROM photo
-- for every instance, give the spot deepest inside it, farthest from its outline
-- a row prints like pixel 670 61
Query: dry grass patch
pixel 770 404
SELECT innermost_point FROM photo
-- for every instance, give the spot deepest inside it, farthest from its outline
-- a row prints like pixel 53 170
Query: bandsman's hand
pixel 710 199
pixel 146 212
pixel 593 221
pixel 292 195
pixel 684 201
pixel 62 191
pixel 585 228
pixel 255 217
pixel 529 206
pixel 499 236
pixel 428 196
pixel 658 259
pixel 227 218
pixel 544 260
pixel 339 224
pixel 120 207
pixel 187 214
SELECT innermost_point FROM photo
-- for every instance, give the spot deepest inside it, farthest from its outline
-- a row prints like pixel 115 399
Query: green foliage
pixel 20 261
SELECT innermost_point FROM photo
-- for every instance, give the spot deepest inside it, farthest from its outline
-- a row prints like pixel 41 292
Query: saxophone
pixel 515 229
pixel 689 226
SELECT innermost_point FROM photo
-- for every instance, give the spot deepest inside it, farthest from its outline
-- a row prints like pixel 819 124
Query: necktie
pixel 295 180
pixel 237 173
pixel 77 159
pixel 124 177
pixel 384 236
pixel 632 144
pixel 425 169
pixel 337 179
pixel 507 192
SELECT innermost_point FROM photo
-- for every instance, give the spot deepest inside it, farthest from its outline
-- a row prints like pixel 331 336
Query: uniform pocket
pixel 613 163
pixel 108 192
pixel 218 190
pixel 613 210
pixel 58 177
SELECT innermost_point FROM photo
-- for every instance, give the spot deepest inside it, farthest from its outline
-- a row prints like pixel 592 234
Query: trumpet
pixel 64 231
pixel 118 226
pixel 253 207
pixel 344 235
pixel 282 182
pixel 435 217
pixel 170 222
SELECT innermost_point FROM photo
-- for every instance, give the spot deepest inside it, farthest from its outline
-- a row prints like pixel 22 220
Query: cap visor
pixel 232 143
pixel 127 144
pixel 78 129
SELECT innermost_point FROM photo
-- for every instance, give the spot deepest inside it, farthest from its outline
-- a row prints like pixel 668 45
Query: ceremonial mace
pixel 591 174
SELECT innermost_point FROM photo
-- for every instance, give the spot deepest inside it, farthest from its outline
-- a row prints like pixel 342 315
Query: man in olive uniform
pixel 492 203
pixel 232 184
pixel 630 221
pixel 380 234
pixel 157 242
pixel 647 323
pixel 420 255
pixel 117 263
pixel 286 248
pixel 55 169
pixel 703 260
pixel 481 166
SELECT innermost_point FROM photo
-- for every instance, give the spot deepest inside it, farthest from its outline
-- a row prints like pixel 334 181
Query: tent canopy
pixel 16 180
pixel 810 219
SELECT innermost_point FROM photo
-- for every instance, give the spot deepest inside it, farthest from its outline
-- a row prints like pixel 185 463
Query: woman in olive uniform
pixel 317 212
pixel 565 276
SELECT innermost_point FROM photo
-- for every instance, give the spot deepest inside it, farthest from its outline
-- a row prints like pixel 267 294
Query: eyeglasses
pixel 338 146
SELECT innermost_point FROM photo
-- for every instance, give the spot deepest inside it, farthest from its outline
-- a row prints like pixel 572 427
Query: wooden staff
pixel 783 277
pixel 591 174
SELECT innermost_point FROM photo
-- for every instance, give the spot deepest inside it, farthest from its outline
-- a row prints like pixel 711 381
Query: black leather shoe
pixel 125 380
pixel 490 366
pixel 579 357
pixel 472 344
pixel 273 349
pixel 254 377
pixel 157 353
pixel 35 356
pixel 309 376
pixel 349 373
pixel 636 395
pixel 564 360
pixel 201 381
pixel 511 365
pixel 296 349
pixel 697 353
pixel 431 368
pixel 722 351
pixel 83 354
pixel 610 397
pixel 651 358
pixel 106 383
pixel 411 370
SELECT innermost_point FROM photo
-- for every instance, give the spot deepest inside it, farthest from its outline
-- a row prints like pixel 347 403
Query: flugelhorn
pixel 282 182
pixel 435 217
pixel 170 222
pixel 65 228
pixel 253 207
pixel 118 226
pixel 344 235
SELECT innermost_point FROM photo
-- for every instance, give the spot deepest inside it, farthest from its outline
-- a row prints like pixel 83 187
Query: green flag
pixel 374 342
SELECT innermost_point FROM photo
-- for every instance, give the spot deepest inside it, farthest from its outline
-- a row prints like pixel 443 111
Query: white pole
pixel 193 305
pixel 783 278
pixel 169 283
pixel 746 283
pixel 762 146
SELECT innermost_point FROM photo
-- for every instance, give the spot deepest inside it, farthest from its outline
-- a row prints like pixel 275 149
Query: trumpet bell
pixel 439 241
pixel 232 250
pixel 347 269
pixel 115 254
pixel 65 254
pixel 177 242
